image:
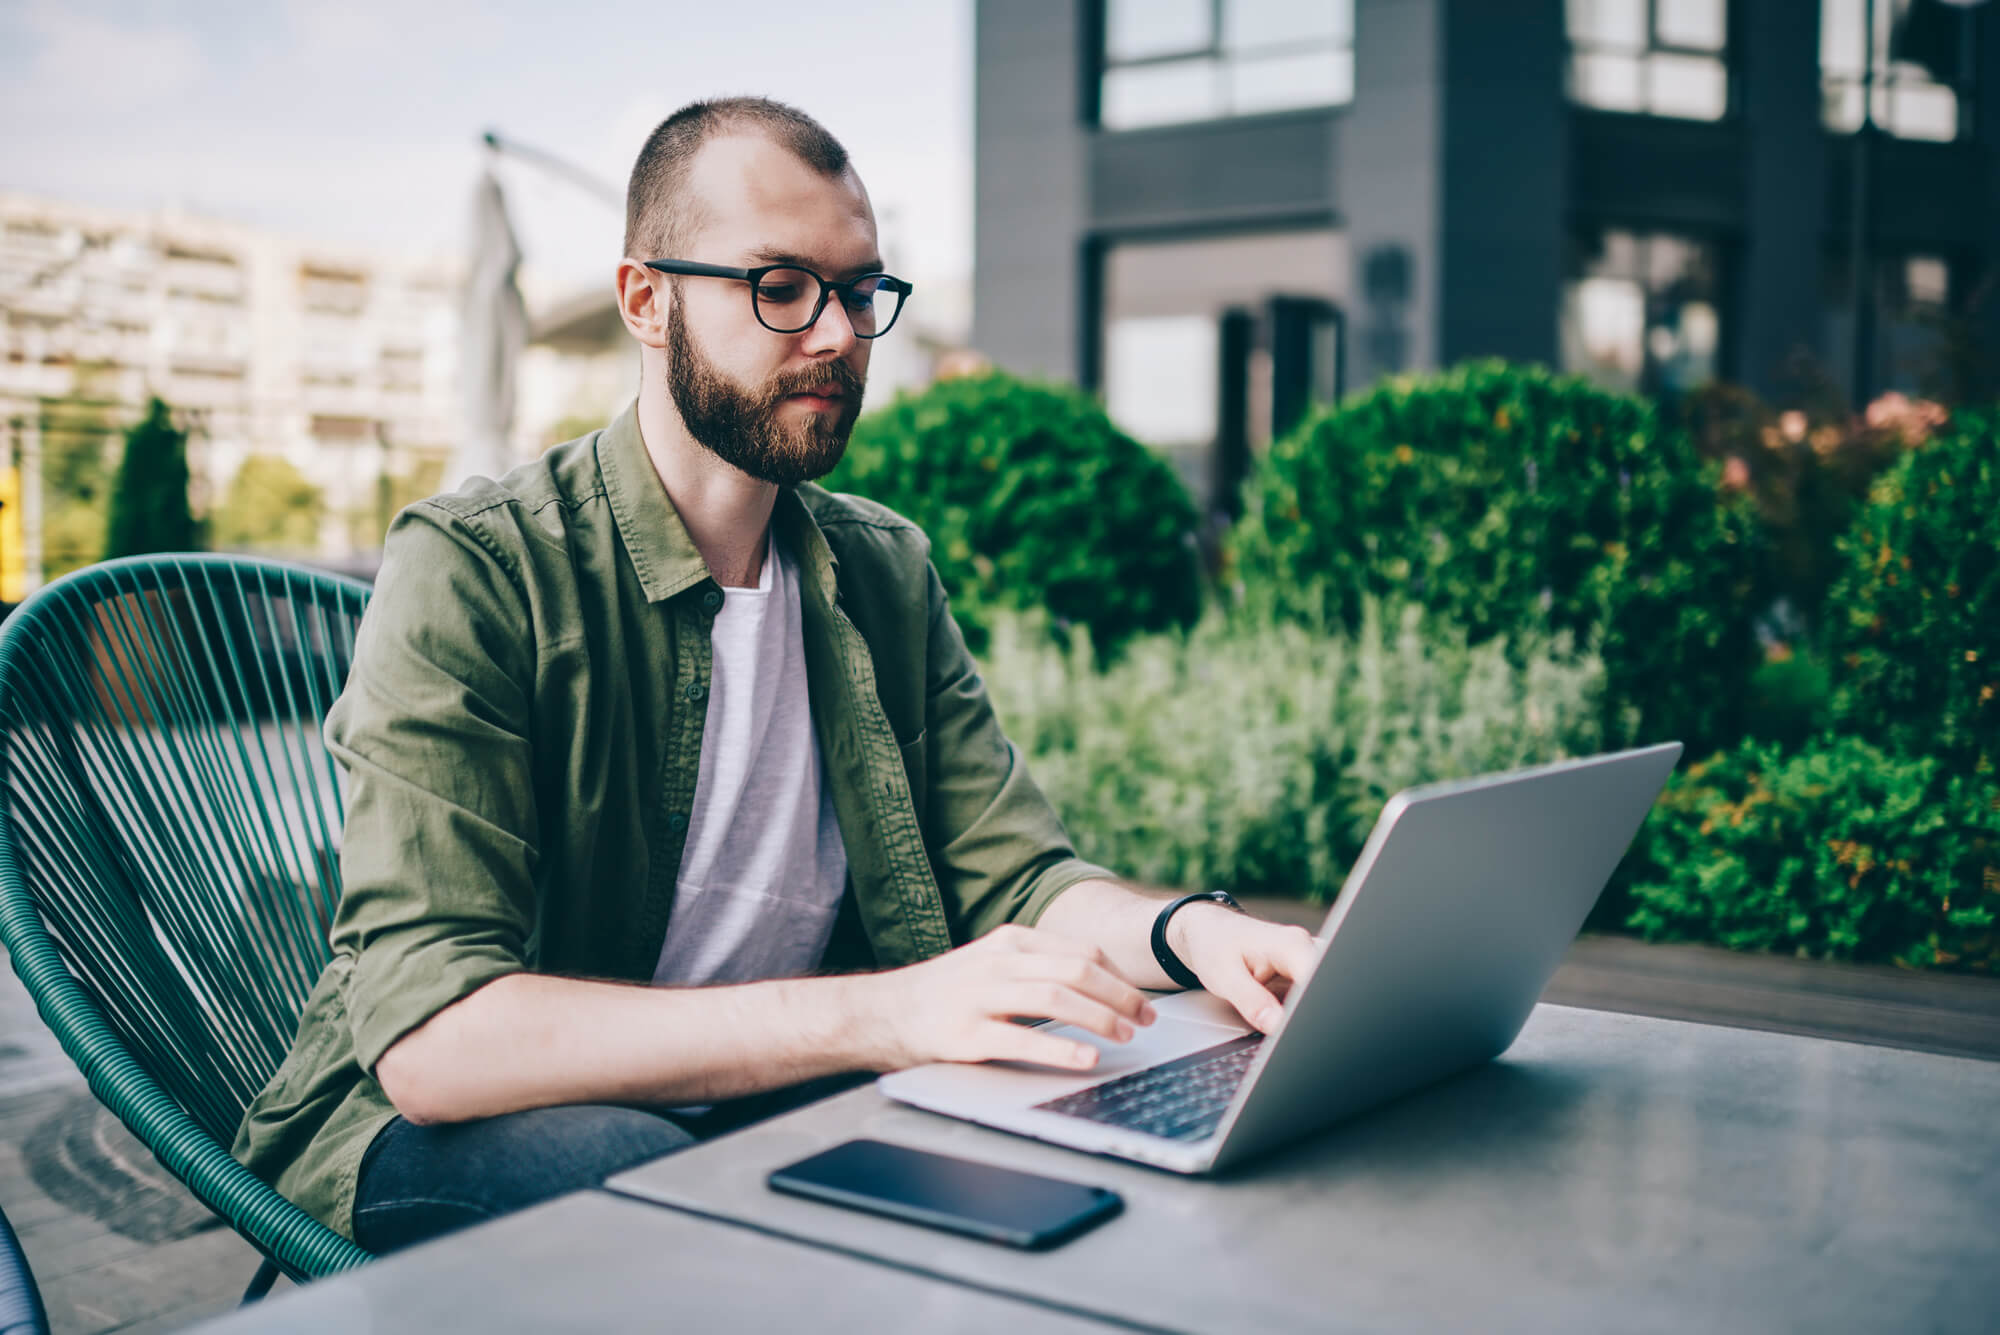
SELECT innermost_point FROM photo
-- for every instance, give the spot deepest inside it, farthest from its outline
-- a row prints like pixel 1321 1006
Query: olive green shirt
pixel 521 731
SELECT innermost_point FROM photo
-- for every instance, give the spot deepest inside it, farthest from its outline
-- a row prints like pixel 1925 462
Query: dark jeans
pixel 417 1182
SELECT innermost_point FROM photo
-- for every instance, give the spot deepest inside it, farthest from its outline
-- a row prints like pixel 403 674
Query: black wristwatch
pixel 1164 953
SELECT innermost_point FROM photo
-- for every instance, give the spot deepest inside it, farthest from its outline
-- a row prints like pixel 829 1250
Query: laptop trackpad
pixel 1188 1022
pixel 1205 1007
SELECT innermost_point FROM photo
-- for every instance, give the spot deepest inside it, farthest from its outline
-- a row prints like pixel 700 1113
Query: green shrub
pixel 77 473
pixel 1806 473
pixel 1510 501
pixel 1839 850
pixel 1915 639
pixel 270 507
pixel 1033 498
pixel 1789 698
pixel 1254 757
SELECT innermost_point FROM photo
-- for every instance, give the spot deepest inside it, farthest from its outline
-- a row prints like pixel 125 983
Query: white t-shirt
pixel 763 870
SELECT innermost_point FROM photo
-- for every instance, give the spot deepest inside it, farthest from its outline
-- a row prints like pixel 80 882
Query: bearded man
pixel 674 796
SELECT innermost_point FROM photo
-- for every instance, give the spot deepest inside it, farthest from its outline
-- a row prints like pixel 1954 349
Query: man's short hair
pixel 659 214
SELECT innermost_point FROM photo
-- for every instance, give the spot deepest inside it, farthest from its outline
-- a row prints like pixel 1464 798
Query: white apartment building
pixel 341 362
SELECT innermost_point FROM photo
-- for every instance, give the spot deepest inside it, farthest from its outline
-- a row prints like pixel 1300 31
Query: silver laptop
pixel 1449 926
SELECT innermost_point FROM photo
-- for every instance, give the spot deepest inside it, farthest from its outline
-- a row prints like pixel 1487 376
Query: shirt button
pixel 695 690
pixel 711 601
pixel 677 822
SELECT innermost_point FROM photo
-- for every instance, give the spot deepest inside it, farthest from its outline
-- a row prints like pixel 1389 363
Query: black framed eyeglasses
pixel 788 299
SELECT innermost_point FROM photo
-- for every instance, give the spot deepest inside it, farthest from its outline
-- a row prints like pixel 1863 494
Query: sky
pixel 357 122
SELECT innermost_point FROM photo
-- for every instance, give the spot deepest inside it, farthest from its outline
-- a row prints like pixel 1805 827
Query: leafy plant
pixel 1807 473
pixel 1790 697
pixel 270 506
pixel 1514 502
pixel 1839 850
pixel 421 476
pixel 149 504
pixel 1033 498
pixel 75 432
pixel 1915 643
pixel 1255 756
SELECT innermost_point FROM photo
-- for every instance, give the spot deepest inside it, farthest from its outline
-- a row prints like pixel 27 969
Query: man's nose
pixel 833 331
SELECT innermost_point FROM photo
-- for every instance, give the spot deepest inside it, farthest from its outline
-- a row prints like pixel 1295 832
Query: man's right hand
pixel 958 1006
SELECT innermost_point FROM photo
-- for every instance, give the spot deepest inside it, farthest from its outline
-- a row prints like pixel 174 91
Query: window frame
pixel 1098 64
pixel 1722 257
pixel 1731 92
pixel 1882 76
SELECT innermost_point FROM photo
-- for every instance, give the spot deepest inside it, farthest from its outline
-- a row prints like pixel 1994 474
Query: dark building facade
pixel 1215 212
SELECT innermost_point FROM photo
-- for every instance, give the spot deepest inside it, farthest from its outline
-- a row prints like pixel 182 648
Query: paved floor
pixel 119 1246
pixel 116 1244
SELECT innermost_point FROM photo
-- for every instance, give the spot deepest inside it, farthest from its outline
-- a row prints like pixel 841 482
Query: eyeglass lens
pixel 786 299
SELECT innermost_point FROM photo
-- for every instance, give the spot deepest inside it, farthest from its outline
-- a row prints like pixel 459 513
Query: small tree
pixel 270 506
pixel 76 474
pixel 149 502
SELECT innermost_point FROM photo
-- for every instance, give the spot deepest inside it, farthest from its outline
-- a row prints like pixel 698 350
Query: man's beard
pixel 741 427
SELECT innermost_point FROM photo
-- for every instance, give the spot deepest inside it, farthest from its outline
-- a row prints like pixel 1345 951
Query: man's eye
pixel 858 301
pixel 778 291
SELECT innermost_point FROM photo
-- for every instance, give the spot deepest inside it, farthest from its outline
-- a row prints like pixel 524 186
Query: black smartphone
pixel 976 1199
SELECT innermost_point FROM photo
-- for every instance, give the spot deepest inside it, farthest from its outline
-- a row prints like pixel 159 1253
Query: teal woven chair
pixel 169 833
pixel 21 1310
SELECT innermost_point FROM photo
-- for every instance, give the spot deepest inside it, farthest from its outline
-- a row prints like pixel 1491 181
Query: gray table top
pixel 1610 1172
pixel 595 1261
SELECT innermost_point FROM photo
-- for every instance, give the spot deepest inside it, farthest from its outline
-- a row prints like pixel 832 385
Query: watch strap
pixel 1170 963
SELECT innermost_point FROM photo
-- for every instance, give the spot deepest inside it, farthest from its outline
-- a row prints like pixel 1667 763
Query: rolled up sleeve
pixel 438 851
pixel 999 849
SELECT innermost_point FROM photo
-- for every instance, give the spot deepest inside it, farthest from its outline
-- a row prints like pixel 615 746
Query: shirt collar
pixel 662 551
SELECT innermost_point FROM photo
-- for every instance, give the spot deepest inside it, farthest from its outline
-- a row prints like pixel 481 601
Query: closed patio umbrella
pixel 493 330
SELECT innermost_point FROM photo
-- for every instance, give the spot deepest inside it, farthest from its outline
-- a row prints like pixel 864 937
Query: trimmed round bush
pixel 1914 635
pixel 1512 501
pixel 1032 498
pixel 1839 850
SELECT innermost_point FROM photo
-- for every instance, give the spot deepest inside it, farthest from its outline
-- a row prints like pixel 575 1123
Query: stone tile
pixel 201 1275
pixel 95 1275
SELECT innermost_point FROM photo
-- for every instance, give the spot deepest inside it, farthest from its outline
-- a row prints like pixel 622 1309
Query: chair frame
pixel 293 1241
pixel 21 1308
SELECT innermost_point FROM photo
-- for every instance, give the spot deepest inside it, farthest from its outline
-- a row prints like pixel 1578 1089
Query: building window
pixel 1653 57
pixel 1207 340
pixel 1160 384
pixel 1919 53
pixel 1913 340
pixel 1640 311
pixel 1173 61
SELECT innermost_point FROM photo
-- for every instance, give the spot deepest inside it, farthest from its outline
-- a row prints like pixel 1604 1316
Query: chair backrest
pixel 168 805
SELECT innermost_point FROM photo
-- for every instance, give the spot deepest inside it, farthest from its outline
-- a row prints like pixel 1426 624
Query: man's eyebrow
pixel 768 255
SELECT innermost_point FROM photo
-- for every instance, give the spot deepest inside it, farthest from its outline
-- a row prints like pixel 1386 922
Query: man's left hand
pixel 1248 962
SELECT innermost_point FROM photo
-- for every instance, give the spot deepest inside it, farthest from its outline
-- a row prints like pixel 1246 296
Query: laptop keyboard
pixel 1183 1099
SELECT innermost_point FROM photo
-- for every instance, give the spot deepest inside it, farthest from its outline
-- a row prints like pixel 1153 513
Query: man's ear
pixel 642 303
